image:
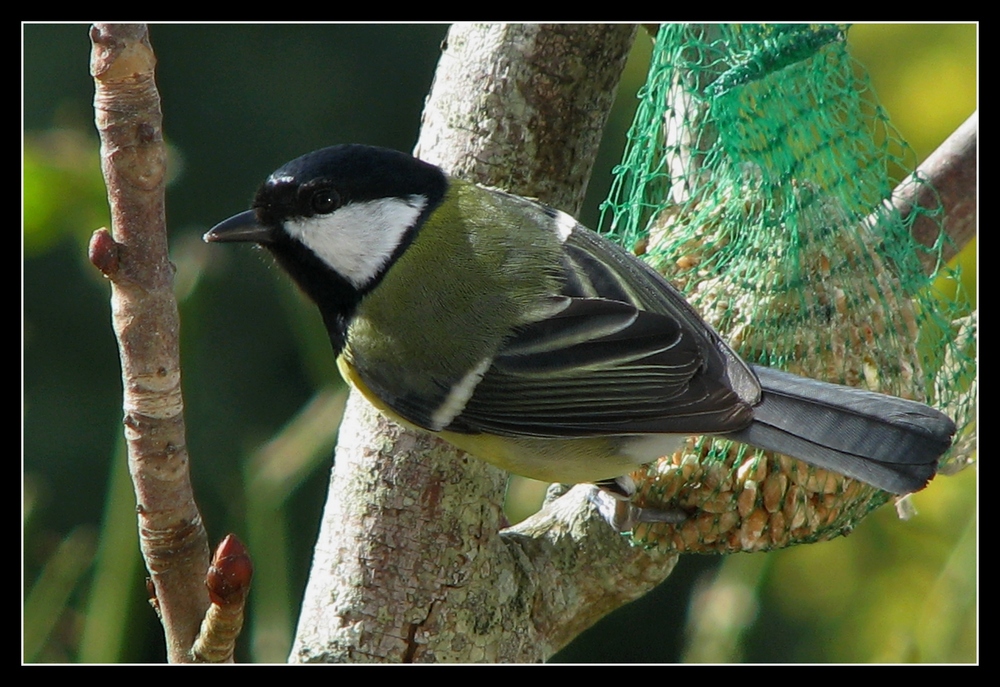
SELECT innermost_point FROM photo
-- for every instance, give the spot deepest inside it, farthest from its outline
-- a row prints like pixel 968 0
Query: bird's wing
pixel 621 353
pixel 600 367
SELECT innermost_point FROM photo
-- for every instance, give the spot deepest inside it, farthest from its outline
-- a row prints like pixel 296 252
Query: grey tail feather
pixel 888 442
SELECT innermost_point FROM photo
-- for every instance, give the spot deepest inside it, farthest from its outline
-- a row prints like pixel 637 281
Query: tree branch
pixel 946 181
pixel 145 320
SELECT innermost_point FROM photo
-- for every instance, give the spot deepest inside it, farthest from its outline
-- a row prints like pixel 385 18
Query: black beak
pixel 241 227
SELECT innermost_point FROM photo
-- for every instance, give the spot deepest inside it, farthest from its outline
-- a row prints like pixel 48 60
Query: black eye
pixel 324 201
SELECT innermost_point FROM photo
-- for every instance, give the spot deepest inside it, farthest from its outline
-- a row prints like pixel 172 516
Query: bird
pixel 508 329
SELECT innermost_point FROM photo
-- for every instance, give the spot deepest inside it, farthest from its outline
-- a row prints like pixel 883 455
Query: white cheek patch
pixel 358 239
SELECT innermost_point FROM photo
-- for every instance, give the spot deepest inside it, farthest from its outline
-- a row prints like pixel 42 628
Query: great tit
pixel 513 332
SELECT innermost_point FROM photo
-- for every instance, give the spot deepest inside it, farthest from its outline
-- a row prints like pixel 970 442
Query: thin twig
pixel 144 315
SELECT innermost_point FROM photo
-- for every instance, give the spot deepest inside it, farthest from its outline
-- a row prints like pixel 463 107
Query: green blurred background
pixel 263 395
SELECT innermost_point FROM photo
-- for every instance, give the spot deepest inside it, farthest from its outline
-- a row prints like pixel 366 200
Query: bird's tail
pixel 888 442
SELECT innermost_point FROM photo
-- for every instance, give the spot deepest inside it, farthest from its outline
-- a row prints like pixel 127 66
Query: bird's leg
pixel 615 504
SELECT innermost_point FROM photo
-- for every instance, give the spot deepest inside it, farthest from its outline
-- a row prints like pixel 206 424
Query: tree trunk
pixel 411 565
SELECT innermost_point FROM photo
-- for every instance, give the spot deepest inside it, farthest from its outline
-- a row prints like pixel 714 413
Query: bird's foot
pixel 614 501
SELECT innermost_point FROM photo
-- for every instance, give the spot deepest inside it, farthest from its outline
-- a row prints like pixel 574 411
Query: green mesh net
pixel 758 177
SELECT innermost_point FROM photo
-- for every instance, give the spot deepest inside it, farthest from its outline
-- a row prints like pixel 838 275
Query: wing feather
pixel 621 353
